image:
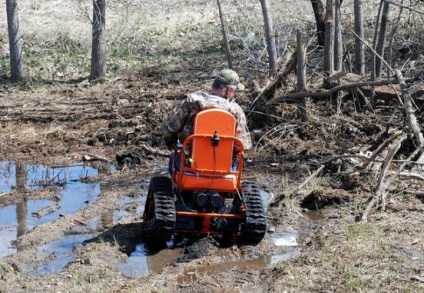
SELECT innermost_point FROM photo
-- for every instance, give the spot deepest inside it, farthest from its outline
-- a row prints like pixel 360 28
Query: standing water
pixel 24 215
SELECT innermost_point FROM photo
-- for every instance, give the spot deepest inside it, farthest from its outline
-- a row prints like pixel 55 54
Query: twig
pixel 268 115
pixel 404 6
pixel 410 175
pixel 413 124
pixel 372 50
pixel 272 132
pixel 154 151
pixel 381 188
pixel 294 193
pixel 417 193
pixel 389 182
pixel 332 90
pixel 288 65
pixel 380 148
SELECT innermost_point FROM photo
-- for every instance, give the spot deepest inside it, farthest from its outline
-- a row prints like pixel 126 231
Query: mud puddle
pixel 283 247
pixel 74 193
pixel 142 263
pixel 56 255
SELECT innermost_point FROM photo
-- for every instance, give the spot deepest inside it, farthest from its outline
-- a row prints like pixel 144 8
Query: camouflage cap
pixel 229 77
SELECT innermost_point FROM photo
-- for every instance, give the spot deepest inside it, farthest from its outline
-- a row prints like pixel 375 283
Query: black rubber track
pixel 253 231
pixel 159 213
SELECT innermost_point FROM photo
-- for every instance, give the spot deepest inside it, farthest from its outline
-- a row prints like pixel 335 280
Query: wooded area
pixel 337 142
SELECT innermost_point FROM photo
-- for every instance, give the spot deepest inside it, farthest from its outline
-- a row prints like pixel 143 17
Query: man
pixel 178 125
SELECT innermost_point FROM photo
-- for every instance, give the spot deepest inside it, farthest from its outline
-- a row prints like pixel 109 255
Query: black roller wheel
pixel 254 229
pixel 159 213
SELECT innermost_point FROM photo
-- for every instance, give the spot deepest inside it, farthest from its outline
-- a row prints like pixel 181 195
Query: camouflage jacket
pixel 178 125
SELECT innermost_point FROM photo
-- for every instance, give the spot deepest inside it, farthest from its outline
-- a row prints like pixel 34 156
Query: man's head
pixel 229 81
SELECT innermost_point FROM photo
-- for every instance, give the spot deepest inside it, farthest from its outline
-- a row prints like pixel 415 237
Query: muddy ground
pixel 117 121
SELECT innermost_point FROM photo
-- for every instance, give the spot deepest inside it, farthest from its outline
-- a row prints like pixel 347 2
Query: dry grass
pixel 164 35
pixel 57 35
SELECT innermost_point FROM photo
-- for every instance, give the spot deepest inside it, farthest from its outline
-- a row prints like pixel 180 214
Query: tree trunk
pixel 224 35
pixel 359 45
pixel 391 39
pixel 338 40
pixel 98 49
pixel 381 39
pixel 301 76
pixel 16 64
pixel 319 19
pixel 329 38
pixel 270 39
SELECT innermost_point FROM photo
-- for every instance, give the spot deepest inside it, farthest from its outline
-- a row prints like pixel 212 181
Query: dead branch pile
pixel 396 156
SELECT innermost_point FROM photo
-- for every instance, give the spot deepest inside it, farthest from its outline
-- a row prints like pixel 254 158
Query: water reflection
pixel 22 213
pixel 141 263
pixel 21 208
pixel 75 193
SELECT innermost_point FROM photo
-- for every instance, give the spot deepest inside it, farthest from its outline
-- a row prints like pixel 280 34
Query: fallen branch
pixel 268 93
pixel 306 181
pixel 328 93
pixel 332 91
pixel 388 183
pixel 380 148
pixel 91 158
pixel 413 124
pixel 381 187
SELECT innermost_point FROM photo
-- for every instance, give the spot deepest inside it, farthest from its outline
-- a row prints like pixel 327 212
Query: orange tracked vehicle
pixel 205 193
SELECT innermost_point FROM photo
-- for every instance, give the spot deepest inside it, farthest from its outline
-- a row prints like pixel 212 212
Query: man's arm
pixel 242 131
pixel 174 124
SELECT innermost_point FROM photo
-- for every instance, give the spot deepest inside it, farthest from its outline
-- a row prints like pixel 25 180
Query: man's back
pixel 180 120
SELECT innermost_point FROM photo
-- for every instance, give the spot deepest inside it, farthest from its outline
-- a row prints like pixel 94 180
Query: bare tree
pixel 338 40
pixel 270 39
pixel 301 76
pixel 329 38
pixel 319 19
pixel 15 41
pixel 381 38
pixel 224 35
pixel 392 36
pixel 98 49
pixel 359 31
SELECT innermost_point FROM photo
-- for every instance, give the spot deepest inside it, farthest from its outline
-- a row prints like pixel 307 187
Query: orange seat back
pixel 206 156
pixel 210 166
